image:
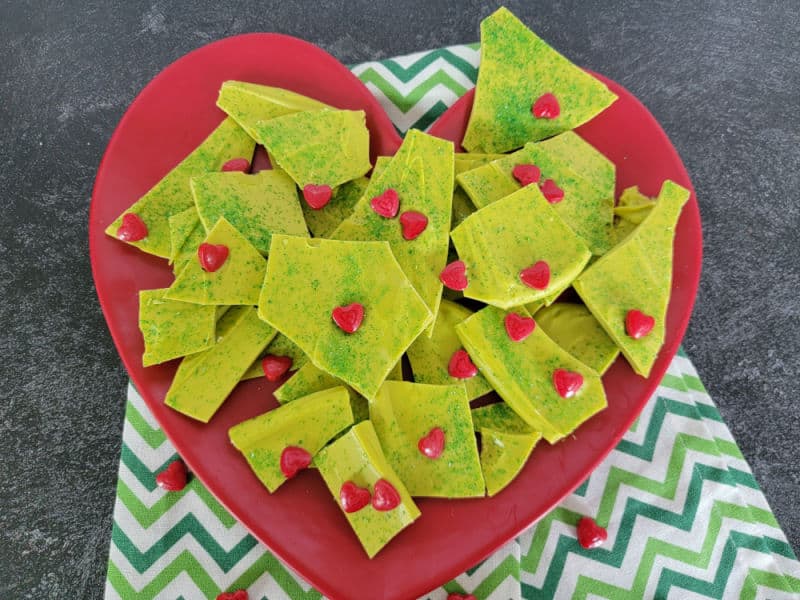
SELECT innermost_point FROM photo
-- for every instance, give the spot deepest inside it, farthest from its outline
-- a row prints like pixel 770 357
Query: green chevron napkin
pixel 685 517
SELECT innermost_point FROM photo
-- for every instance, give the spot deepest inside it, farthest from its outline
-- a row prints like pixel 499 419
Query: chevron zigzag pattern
pixel 685 517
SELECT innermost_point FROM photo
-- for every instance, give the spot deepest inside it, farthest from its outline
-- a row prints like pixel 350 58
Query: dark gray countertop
pixel 723 78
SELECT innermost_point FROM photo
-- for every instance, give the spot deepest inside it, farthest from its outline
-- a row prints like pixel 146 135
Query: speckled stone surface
pixel 721 77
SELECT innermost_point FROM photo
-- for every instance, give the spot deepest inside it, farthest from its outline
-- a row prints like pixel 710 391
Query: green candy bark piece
pixel 637 275
pixel 322 147
pixel 573 327
pixel 204 380
pixel 237 281
pixel 185 234
pixel 256 205
pixel 405 412
pixel 422 175
pixel 500 240
pixel 283 346
pixel 172 195
pixel 357 457
pixel 499 417
pixel 249 103
pixel 466 161
pixel 310 379
pixel 380 166
pixel 181 226
pixel 171 329
pixel 462 207
pixel 522 374
pixel 503 455
pixel 279 346
pixel 430 356
pixel 587 207
pixel 632 208
pixel 517 67
pixel 308 278
pixel 324 221
pixel 308 423
pixel 583 158
pixel 306 380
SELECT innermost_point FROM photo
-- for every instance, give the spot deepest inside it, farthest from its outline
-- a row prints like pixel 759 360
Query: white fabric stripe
pixel 138 581
pixel 144 538
pixel 408 87
pixel 135 399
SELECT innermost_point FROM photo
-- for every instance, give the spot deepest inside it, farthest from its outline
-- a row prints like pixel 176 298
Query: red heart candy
pixel 352 497
pixel 132 228
pixel 526 174
pixel 173 478
pixel 237 595
pixel 432 445
pixel 349 317
pixel 454 275
pixel 212 256
pixel 567 383
pixel 387 204
pixel 519 327
pixel 385 496
pixel 294 459
pixel 536 276
pixel 551 192
pixel 413 224
pixel 461 597
pixel 275 366
pixel 237 164
pixel 317 196
pixel 461 365
pixel 638 324
pixel 590 534
pixel 546 107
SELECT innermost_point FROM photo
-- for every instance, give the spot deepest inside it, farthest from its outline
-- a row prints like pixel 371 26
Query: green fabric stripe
pixel 756 577
pixel 267 563
pixel 408 101
pixel 509 566
pixel 185 562
pixel 653 548
pixel 407 74
pixel 153 437
pixel 147 516
pixel 145 476
pixel 662 407
pixel 694 383
pixel 188 525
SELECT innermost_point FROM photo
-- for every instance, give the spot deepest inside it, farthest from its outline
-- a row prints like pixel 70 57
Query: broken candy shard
pixel 357 457
pixel 637 274
pixel 429 356
pixel 172 195
pixel 507 237
pixel 517 68
pixel 204 380
pixel 321 147
pixel 249 103
pixel 308 423
pixel 307 278
pixel 236 282
pixel 503 454
pixel 403 413
pixel 522 374
pixel 256 205
pixel 574 328
pixel 172 329
pixel 421 174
